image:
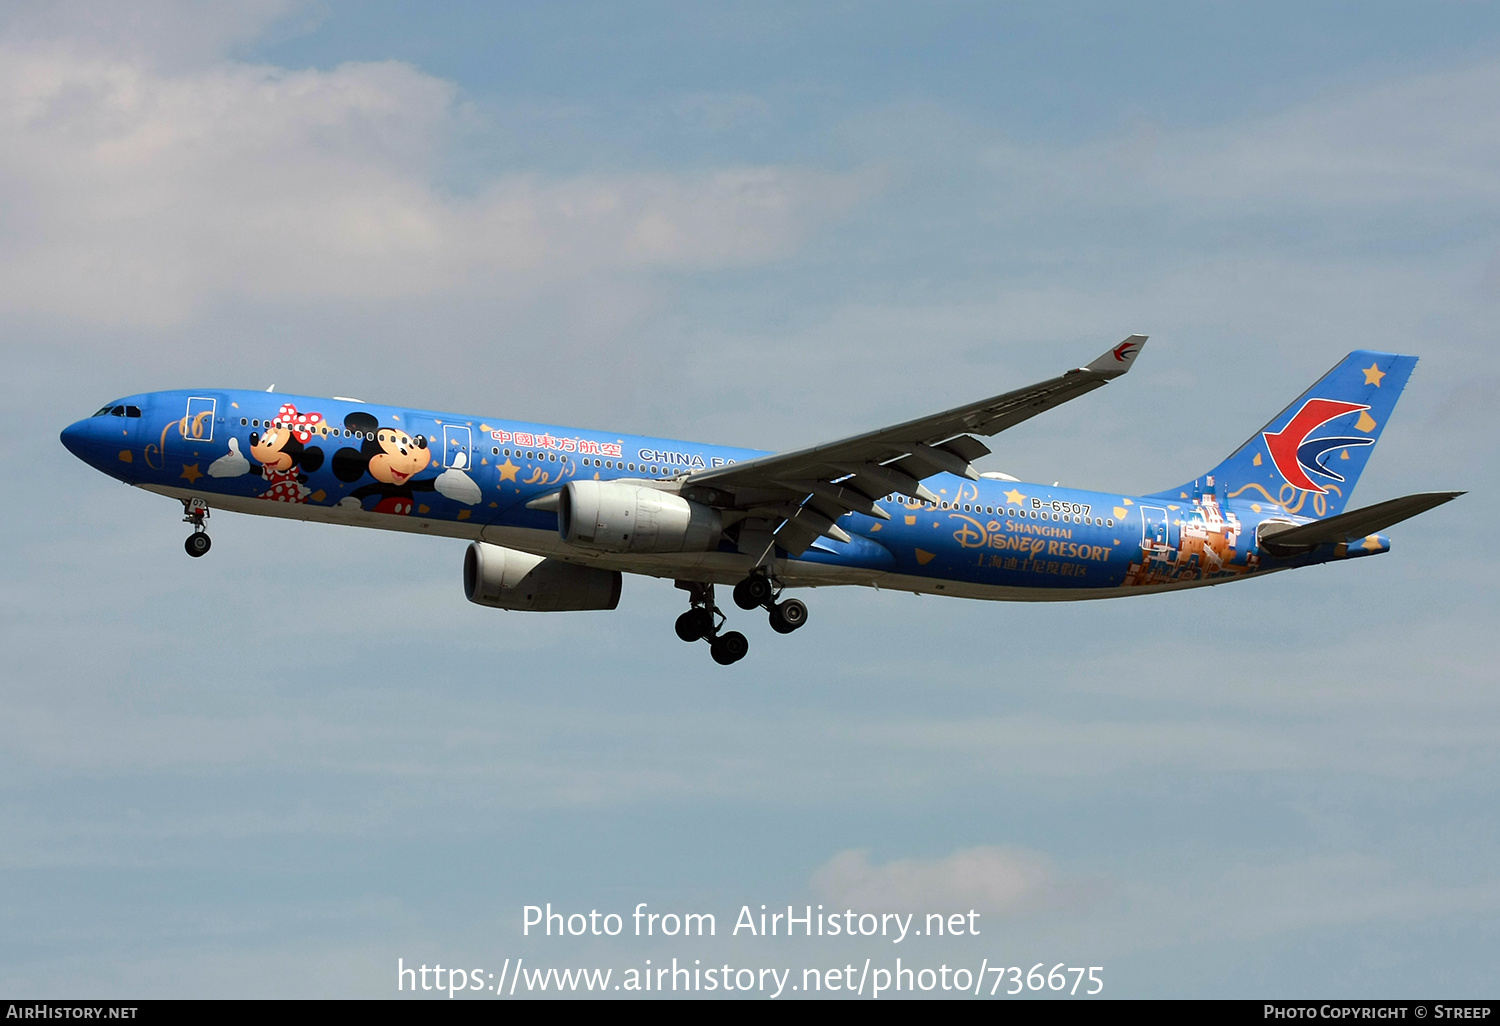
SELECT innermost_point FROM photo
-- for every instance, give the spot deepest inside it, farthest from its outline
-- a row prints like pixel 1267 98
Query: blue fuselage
pixel 345 461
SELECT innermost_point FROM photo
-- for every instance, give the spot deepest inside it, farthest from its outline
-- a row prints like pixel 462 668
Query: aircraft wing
pixel 1357 523
pixel 791 499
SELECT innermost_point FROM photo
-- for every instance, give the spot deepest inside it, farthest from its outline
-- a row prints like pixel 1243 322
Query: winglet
pixel 1117 361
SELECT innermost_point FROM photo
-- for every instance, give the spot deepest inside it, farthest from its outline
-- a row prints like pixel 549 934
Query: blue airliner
pixel 556 515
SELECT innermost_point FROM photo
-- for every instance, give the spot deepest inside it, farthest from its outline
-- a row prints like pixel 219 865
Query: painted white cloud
pixel 993 879
pixel 133 195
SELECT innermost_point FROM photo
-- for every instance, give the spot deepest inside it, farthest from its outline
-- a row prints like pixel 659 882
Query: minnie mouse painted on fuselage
pixel 282 450
pixel 285 457
pixel 391 457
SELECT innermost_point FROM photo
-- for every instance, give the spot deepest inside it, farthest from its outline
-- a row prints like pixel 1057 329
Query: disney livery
pixel 556 515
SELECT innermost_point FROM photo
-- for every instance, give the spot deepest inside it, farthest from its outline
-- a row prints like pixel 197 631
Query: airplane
pixel 556 515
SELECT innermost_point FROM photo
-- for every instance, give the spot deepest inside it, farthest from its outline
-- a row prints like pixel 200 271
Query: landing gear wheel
pixel 195 511
pixel 788 616
pixel 695 625
pixel 703 621
pixel 753 591
pixel 729 647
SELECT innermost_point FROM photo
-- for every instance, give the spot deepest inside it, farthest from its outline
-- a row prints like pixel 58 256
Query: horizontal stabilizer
pixel 1357 523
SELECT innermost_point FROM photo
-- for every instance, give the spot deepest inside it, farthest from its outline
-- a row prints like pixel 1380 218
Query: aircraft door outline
pixel 1156 526
pixel 197 424
pixel 457 440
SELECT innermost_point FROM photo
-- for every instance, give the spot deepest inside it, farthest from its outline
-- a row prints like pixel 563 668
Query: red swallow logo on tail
pixel 1123 350
pixel 1296 456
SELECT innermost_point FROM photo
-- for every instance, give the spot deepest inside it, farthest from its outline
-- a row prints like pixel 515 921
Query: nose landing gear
pixel 704 621
pixel 195 511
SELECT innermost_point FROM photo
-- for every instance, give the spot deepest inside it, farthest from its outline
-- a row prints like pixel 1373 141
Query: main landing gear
pixel 704 620
pixel 195 511
pixel 761 590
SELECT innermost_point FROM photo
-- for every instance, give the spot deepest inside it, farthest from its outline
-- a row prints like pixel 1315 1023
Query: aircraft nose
pixel 77 436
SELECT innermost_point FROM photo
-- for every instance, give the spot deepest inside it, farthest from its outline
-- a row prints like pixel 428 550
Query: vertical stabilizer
pixel 1308 458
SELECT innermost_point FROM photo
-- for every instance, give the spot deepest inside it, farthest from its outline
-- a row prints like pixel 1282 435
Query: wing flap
pixel 915 467
pixel 840 497
pixel 966 447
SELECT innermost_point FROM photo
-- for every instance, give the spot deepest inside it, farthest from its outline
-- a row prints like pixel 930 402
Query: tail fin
pixel 1307 459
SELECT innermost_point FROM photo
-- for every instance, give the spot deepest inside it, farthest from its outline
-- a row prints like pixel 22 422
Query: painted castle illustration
pixel 1207 542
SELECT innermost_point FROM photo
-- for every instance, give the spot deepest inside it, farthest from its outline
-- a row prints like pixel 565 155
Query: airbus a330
pixel 556 515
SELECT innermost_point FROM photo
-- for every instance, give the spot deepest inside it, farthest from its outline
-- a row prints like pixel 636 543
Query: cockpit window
pixel 118 411
pixel 104 411
pixel 132 411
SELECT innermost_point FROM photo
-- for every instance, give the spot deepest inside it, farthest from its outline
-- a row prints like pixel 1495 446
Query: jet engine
pixel 506 579
pixel 618 517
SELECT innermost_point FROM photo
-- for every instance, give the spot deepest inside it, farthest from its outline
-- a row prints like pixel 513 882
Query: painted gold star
pixel 507 470
pixel 191 472
pixel 1373 374
pixel 1014 497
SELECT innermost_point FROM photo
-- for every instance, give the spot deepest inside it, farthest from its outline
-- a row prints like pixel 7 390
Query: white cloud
pixel 137 196
pixel 1254 901
pixel 1068 747
pixel 1420 139
pixel 997 880
pixel 159 31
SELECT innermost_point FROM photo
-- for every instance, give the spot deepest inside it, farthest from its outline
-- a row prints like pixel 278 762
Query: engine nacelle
pixel 506 579
pixel 618 517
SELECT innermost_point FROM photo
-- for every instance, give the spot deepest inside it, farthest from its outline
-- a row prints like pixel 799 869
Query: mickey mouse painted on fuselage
pixel 389 455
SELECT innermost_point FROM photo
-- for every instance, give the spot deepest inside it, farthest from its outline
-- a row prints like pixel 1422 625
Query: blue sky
pixel 758 225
